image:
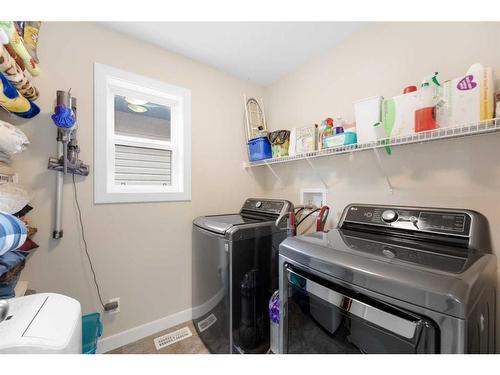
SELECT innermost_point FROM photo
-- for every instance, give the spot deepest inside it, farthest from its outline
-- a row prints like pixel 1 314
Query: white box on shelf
pixel 398 114
pixel 368 114
pixel 306 139
pixel 292 146
pixel 470 98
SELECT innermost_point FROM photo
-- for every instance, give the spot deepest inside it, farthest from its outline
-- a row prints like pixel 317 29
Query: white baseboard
pixel 133 334
pixel 126 337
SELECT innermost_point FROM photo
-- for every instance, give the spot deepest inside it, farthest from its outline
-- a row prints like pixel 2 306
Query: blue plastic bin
pixel 91 331
pixel 259 148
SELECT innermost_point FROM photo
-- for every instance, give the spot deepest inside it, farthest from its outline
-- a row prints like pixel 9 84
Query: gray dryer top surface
pixel 441 279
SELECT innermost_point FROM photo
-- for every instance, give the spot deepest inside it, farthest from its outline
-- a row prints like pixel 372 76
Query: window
pixel 142 138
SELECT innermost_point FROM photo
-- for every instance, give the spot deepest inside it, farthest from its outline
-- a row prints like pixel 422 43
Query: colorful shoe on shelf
pixel 14 102
pixel 29 33
pixel 20 79
pixel 17 44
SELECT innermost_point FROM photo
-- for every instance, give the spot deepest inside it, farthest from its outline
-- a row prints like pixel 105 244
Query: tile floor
pixel 191 345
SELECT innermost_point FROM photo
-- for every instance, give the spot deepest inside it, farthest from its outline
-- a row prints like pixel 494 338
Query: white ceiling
pixel 261 52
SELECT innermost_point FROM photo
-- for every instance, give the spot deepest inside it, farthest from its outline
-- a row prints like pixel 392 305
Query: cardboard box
pixel 398 114
pixel 470 98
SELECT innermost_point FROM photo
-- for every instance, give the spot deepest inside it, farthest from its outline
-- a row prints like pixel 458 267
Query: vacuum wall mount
pixel 67 160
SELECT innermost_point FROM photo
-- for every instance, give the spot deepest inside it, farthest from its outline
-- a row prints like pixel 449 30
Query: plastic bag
pixel 280 141
pixel 13 197
pixel 12 139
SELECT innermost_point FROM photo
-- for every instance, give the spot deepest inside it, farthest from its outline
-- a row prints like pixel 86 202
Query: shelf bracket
pixel 280 181
pixel 313 168
pixel 382 169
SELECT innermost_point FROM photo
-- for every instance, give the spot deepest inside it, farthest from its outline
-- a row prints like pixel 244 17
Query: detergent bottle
pixel 429 93
pixel 325 130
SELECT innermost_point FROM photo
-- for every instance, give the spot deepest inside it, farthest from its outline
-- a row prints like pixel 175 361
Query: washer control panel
pixel 270 206
pixel 410 218
pixel 394 253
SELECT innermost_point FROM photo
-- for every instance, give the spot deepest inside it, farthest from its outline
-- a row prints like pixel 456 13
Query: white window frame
pixel 108 82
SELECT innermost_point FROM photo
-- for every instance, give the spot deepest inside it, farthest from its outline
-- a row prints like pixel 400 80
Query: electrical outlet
pixel 117 309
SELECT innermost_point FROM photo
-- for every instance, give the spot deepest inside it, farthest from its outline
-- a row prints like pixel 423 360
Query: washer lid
pixel 222 223
pixel 40 322
pixel 443 283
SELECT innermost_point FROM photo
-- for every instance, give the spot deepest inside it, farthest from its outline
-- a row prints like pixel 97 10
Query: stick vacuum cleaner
pixel 67 160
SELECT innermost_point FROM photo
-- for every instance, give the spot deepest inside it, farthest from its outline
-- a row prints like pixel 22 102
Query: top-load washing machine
pixel 390 280
pixel 45 323
pixel 235 272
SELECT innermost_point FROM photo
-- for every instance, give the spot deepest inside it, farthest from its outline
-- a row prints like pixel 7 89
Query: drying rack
pixel 477 128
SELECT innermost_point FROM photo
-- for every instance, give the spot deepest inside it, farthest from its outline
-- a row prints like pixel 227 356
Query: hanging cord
pixel 298 210
pixel 75 194
pixel 305 217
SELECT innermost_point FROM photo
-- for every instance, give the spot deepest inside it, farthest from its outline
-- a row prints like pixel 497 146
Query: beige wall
pixel 141 252
pixel 381 60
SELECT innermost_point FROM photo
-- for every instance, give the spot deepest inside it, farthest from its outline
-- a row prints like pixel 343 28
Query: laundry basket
pixel 91 331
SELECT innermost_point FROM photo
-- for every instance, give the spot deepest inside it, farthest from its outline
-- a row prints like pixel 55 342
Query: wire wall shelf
pixel 487 126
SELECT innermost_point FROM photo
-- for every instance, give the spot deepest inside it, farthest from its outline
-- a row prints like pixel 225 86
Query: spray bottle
pixel 425 115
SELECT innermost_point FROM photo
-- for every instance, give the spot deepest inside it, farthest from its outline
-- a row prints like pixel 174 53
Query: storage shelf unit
pixel 482 127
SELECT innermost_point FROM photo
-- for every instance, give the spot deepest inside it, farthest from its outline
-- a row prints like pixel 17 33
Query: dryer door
pixel 322 317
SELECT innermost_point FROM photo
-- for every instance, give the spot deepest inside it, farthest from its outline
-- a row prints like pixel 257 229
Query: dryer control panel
pixel 425 220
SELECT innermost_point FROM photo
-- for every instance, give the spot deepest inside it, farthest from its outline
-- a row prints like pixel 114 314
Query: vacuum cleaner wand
pixel 67 160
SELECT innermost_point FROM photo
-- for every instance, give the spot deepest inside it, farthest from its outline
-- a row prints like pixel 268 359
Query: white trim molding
pixel 133 334
pixel 109 343
pixel 109 82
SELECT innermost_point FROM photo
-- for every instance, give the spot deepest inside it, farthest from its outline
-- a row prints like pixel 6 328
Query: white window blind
pixel 142 166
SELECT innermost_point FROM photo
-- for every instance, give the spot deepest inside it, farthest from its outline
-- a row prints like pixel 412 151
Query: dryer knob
pixel 389 216
pixel 258 204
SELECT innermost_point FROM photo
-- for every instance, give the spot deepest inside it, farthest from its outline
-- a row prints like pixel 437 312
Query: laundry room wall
pixel 141 251
pixel 381 60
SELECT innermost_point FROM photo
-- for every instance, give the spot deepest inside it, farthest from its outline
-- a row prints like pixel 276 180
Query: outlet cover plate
pixel 314 196
pixel 117 310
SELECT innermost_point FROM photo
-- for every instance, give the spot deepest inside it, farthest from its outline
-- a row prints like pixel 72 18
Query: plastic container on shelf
pixel 259 149
pixel 368 114
pixel 339 139
pixel 425 119
pixel 91 331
